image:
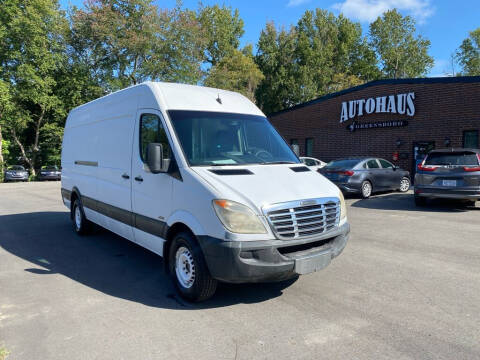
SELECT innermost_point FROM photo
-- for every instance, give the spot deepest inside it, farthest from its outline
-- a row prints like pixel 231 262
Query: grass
pixel 3 353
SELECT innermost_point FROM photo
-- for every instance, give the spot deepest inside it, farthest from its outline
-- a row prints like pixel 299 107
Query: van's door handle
pixel 125 176
pixel 139 178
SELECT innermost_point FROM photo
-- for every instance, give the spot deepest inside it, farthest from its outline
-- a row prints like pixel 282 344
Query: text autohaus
pixel 395 104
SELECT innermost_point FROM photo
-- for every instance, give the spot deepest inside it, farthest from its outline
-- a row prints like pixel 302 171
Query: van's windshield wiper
pixel 277 162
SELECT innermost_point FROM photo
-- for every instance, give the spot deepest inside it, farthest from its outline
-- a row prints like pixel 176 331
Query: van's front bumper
pixel 271 260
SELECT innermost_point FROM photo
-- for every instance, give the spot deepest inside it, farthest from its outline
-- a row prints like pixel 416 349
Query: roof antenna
pixel 218 99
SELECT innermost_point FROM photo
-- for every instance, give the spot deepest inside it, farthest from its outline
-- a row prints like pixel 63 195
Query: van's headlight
pixel 238 218
pixel 343 207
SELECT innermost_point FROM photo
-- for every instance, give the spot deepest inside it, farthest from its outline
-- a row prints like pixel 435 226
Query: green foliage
pixel 306 61
pixel 222 29
pixel 127 42
pixel 236 72
pixel 468 55
pixel 402 54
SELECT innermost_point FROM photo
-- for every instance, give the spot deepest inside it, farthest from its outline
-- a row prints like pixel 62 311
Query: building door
pixel 420 150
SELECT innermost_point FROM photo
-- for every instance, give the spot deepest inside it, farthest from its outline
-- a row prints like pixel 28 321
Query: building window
pixel 309 147
pixel 470 139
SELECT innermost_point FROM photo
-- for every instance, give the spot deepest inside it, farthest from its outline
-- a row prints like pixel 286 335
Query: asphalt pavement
pixel 407 286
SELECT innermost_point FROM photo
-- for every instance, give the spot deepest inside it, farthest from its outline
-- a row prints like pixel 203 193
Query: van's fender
pixel 184 217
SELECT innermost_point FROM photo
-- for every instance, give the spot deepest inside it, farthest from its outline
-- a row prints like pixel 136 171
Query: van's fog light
pixel 238 218
pixel 343 207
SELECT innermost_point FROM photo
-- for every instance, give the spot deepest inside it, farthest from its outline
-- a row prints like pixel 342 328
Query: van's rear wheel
pixel 189 270
pixel 80 223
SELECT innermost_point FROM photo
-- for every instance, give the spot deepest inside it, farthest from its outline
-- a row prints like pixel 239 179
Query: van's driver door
pixel 151 193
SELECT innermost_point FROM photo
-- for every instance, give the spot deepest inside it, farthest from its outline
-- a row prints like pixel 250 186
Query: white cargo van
pixel 200 177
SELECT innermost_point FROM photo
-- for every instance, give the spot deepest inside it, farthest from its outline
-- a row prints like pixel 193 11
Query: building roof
pixel 433 80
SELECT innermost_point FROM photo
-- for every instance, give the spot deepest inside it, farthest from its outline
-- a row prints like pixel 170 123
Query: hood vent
pixel 300 168
pixel 231 171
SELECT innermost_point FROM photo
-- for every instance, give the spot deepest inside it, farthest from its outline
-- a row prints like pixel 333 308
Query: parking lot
pixel 406 287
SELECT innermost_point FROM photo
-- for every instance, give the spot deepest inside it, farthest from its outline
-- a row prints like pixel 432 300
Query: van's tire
pixel 188 269
pixel 80 223
pixel 420 201
pixel 366 189
pixel 404 184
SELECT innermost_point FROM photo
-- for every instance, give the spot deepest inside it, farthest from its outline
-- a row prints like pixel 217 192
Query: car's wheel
pixel 366 189
pixel 404 184
pixel 188 269
pixel 420 201
pixel 80 223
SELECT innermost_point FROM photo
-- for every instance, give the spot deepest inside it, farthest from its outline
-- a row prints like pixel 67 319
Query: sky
pixel 444 22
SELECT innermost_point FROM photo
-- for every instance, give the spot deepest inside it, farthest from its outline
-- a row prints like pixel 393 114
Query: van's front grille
pixel 303 218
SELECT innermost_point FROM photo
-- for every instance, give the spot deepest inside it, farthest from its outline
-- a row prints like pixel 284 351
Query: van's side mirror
pixel 155 157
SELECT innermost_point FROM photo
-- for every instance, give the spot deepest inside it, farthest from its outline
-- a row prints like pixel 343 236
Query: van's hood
pixel 268 184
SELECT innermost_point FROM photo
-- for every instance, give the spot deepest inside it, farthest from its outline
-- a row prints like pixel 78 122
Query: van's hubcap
pixel 404 185
pixel 78 217
pixel 185 267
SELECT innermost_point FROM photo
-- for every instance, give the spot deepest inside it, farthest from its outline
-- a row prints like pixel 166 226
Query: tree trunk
pixel 33 160
pixel 24 154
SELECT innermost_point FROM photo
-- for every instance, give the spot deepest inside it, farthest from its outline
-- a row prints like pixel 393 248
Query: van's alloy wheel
pixel 366 189
pixel 189 270
pixel 80 223
pixel 404 184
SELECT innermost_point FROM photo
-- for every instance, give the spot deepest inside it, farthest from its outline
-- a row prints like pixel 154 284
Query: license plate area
pixel 449 183
pixel 312 263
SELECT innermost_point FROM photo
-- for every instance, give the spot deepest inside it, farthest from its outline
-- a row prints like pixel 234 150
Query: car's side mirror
pixel 155 158
pixel 394 168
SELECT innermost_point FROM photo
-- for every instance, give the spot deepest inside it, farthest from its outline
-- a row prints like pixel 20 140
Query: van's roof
pixel 172 96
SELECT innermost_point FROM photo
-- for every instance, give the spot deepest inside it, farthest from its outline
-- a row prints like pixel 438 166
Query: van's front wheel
pixel 189 270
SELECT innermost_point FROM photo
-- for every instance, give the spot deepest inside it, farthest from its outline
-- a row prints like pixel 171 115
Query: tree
pixel 5 107
pixel 468 54
pixel 323 52
pixel 222 29
pixel 31 52
pixel 401 53
pixel 236 72
pixel 130 41
pixel 276 59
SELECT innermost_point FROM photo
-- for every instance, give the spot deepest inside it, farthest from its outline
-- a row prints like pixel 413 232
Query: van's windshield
pixel 212 138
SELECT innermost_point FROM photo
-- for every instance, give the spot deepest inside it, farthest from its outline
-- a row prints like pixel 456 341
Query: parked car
pixel 16 173
pixel 313 163
pixel 49 173
pixel 449 173
pixel 365 176
pixel 186 172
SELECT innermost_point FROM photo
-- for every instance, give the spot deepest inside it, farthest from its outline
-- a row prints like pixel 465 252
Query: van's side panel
pixel 116 125
pixel 79 154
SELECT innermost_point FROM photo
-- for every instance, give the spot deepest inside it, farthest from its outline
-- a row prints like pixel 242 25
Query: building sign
pixel 376 125
pixel 394 104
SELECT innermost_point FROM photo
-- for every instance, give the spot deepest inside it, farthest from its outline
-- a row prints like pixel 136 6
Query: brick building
pixel 399 120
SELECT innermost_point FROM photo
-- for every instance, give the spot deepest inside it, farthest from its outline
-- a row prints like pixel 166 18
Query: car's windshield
pixel 51 168
pixel 452 158
pixel 342 164
pixel 16 167
pixel 211 138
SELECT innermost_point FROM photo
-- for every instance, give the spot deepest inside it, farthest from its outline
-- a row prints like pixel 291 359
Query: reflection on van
pixel 209 185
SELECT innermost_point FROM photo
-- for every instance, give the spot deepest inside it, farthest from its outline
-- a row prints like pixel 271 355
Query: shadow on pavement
pixel 109 263
pixel 405 202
